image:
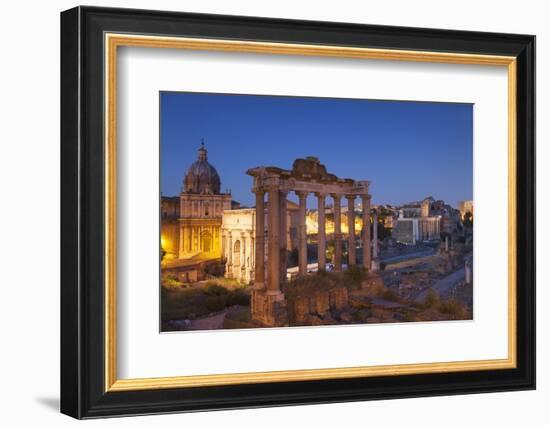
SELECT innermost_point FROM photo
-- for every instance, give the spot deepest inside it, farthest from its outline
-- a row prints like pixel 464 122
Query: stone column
pixel 259 271
pixel 365 199
pixel 283 239
pixel 187 242
pixel 283 235
pixel 374 263
pixel 302 234
pixel 351 229
pixel 243 256
pixel 337 233
pixel 181 247
pixel 273 232
pixel 252 254
pixel 230 255
pixel 321 234
pixel 198 231
pixel 223 247
pixel 375 235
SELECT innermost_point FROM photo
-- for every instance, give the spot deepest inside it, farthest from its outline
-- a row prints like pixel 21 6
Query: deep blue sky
pixel 408 150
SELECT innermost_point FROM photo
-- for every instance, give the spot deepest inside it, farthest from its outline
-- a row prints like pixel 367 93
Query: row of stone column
pixel 277 240
pixel 429 229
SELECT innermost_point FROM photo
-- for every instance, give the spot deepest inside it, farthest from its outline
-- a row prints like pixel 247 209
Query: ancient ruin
pixel 308 176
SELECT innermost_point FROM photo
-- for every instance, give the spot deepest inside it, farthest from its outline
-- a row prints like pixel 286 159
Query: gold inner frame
pixel 113 41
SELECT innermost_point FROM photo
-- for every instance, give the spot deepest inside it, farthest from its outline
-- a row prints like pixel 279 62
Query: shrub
pixel 213 289
pixel 171 282
pixel 390 295
pixel 450 306
pixel 431 299
pixel 239 315
pixel 238 297
pixel 216 303
pixel 354 275
pixel 409 316
pixel 322 273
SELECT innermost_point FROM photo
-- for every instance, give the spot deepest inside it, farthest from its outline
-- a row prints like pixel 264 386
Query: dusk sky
pixel 408 150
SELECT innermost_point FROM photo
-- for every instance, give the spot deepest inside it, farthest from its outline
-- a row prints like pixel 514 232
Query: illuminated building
pixel 191 223
pixel 464 207
pixel 238 239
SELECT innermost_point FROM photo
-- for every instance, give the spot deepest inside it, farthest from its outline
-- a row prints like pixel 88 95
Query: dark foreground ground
pixel 429 288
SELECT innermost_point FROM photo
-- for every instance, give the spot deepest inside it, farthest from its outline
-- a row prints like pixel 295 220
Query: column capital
pixel 350 197
pixel 259 191
pixel 336 196
pixel 270 184
pixel 301 193
pixel 366 196
pixel 320 195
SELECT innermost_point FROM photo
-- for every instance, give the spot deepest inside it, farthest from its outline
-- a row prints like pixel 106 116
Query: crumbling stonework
pixel 320 304
pixel 270 310
pixel 319 308
pixel 373 286
pixel 339 299
pixel 301 309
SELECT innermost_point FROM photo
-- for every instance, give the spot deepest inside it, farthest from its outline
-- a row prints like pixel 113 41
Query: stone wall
pixel 318 308
pixel 270 310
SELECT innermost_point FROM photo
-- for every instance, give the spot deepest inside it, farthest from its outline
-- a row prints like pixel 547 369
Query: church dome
pixel 202 177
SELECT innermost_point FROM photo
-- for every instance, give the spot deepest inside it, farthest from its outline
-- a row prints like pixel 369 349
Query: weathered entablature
pixel 307 176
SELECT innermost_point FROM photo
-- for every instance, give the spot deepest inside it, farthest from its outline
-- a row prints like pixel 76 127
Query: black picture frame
pixel 83 392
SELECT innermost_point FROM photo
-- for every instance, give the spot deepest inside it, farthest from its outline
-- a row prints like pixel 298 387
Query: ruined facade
pixel 307 176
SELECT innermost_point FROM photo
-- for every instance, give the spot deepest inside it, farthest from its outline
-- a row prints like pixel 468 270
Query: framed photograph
pixel 261 212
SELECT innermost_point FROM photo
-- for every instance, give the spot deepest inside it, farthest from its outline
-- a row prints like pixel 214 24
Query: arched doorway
pixel 237 253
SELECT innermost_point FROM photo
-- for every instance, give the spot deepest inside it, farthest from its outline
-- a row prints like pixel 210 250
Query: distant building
pixel 418 221
pixel 191 222
pixel 312 221
pixel 412 230
pixel 238 233
pixel 464 207
pixel 389 221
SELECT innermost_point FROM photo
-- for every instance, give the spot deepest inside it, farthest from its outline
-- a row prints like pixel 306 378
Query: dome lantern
pixel 202 177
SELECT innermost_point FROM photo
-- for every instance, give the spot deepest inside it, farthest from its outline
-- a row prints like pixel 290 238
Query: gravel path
pixel 208 323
